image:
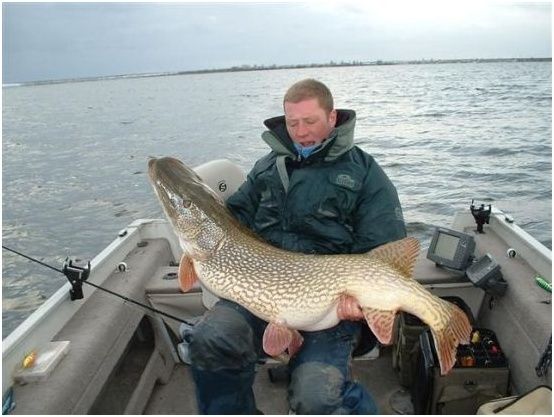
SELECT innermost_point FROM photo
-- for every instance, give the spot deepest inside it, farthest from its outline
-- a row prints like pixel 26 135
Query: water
pixel 74 155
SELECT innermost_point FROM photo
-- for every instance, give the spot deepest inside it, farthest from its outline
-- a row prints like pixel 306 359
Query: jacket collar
pixel 340 140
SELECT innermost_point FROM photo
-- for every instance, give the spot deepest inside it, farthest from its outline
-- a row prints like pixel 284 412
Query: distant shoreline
pixel 243 68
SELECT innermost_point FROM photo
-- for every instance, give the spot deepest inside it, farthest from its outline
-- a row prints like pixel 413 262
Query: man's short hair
pixel 308 89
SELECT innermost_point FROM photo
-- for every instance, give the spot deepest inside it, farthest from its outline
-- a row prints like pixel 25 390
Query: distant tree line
pixel 357 63
pixel 353 63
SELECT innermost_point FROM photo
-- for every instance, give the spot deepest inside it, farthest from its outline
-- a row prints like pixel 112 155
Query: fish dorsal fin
pixel 401 254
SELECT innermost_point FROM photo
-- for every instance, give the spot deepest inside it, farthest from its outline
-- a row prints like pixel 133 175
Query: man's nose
pixel 301 129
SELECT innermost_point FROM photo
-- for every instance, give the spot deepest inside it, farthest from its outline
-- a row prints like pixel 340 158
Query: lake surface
pixel 74 154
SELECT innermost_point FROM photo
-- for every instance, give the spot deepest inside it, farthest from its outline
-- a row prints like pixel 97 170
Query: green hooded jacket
pixel 338 200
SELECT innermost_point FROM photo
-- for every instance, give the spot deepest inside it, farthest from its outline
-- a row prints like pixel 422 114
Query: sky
pixel 51 41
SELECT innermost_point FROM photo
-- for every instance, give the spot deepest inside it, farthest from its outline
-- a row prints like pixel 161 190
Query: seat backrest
pixel 222 176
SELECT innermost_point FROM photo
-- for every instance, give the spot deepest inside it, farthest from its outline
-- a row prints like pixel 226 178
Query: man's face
pixel 307 123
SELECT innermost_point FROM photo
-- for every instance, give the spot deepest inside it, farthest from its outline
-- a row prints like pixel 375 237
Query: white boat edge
pixel 56 311
pixel 525 245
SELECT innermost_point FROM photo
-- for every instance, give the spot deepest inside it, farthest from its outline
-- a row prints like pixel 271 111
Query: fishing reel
pixel 75 274
pixel 481 215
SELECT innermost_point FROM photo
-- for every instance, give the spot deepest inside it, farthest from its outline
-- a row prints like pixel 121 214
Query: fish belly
pixel 310 322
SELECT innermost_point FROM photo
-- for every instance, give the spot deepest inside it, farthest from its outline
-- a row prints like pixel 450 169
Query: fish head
pixel 190 205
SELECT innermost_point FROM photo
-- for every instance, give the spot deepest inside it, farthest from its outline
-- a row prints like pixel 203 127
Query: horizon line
pixel 255 67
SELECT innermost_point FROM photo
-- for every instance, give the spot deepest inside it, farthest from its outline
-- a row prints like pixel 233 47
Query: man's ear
pixel 332 118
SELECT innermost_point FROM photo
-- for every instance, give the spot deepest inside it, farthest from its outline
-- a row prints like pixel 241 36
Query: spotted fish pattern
pixel 294 291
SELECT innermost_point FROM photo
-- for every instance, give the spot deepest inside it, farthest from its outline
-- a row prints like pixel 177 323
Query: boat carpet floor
pixel 177 396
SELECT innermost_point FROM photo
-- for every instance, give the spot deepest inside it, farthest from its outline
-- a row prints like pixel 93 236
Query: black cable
pixel 155 310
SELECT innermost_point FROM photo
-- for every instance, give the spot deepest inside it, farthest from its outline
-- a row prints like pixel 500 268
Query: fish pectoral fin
pixel 278 338
pixel 401 254
pixel 187 275
pixel 381 323
pixel 349 308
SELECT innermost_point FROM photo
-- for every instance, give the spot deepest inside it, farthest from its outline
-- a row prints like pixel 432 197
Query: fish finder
pixel 451 249
pixel 485 273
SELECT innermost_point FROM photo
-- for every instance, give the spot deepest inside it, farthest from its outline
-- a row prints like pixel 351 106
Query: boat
pixel 92 352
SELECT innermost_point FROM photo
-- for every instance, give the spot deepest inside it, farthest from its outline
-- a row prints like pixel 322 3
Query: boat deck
pixel 177 396
pixel 122 359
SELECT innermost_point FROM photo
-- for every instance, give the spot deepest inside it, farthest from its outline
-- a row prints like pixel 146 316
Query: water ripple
pixel 74 155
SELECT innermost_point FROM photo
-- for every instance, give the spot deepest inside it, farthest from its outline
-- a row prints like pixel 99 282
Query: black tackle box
pixel 406 347
pixel 481 374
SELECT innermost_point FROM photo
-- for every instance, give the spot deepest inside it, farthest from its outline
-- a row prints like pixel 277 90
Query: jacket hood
pixel 340 140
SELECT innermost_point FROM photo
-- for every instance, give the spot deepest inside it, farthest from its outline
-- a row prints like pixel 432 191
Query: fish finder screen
pixel 447 246
pixel 451 249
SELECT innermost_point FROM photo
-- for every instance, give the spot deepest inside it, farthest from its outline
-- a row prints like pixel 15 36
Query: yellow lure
pixel 29 360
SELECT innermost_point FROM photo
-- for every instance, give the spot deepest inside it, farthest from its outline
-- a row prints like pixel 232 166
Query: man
pixel 315 192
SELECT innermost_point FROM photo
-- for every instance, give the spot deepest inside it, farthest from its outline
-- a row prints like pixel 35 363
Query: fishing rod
pixel 77 275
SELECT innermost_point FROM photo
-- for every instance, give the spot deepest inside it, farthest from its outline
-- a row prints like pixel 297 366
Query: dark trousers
pixel 225 346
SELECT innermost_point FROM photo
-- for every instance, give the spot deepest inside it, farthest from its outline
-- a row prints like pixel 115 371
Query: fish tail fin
pixel 447 338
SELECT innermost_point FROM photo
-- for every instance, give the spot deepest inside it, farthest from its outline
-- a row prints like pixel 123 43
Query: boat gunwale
pixel 51 316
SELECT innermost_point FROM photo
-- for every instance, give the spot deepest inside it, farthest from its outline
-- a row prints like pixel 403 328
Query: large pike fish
pixel 294 291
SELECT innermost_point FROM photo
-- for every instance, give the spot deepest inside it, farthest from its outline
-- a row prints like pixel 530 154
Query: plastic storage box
pixel 481 374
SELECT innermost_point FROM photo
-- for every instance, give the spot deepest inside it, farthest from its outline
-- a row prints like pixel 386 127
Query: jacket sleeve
pixel 378 217
pixel 243 204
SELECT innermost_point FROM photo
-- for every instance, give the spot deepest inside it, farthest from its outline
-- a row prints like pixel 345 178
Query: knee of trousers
pixel 222 339
pixel 316 388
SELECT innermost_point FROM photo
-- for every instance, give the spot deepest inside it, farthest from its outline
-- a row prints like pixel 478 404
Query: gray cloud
pixel 69 40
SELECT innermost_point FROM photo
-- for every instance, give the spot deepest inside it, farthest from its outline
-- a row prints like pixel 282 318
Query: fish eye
pixel 187 203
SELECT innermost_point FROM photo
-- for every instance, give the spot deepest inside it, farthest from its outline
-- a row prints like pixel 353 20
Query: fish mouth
pixel 174 182
pixel 151 162
pixel 153 169
pixel 159 166
pixel 168 170
pixel 165 175
pixel 178 187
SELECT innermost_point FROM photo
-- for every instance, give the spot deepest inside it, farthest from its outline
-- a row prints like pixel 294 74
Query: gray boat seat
pixel 164 294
